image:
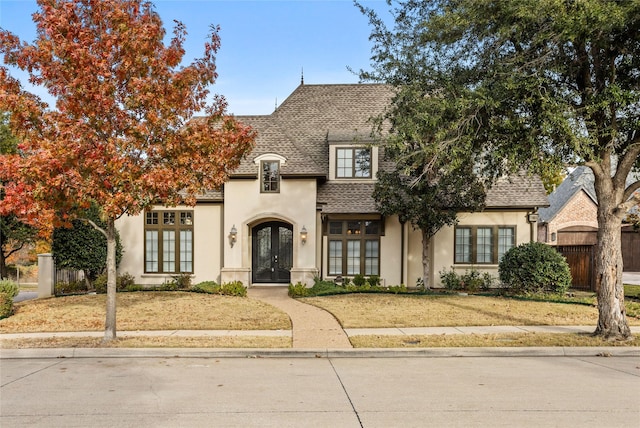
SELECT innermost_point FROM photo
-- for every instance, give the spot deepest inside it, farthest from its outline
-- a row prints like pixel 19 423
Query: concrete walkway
pixel 312 326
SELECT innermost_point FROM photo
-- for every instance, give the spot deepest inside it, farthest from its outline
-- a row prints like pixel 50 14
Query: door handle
pixel 275 258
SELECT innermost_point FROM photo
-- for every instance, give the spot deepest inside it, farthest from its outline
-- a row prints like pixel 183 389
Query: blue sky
pixel 265 43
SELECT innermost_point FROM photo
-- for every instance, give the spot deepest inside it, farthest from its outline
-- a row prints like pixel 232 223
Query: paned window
pixel 483 244
pixel 506 240
pixel 168 242
pixel 270 177
pixel 353 163
pixel 354 247
pixel 463 245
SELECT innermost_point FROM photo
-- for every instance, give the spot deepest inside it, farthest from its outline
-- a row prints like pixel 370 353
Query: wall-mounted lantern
pixel 233 235
pixel 303 235
pixel 553 236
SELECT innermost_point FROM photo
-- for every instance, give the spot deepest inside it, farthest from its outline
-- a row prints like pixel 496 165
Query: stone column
pixel 46 273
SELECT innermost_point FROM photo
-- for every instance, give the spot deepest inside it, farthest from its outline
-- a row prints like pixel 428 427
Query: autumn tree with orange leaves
pixel 121 134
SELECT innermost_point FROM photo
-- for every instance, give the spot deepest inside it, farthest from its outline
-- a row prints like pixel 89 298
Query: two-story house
pixel 300 206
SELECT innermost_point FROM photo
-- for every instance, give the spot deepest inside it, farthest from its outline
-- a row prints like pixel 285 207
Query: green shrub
pixel 124 282
pixel 488 281
pixel 168 286
pixel 298 290
pixel 208 287
pixel 534 268
pixel 6 305
pixel 374 280
pixel 73 287
pixel 182 281
pixel 359 280
pixel 9 288
pixel 235 288
pixel 450 279
pixel 472 280
pixel 397 289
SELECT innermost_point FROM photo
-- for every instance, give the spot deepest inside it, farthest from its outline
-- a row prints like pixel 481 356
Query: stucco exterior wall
pixel 245 207
pixel 443 251
pixel 207 255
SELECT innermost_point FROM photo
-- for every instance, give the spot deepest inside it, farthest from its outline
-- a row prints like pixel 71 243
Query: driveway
pixel 631 278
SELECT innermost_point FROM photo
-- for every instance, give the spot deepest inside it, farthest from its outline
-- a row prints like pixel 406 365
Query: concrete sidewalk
pixel 350 332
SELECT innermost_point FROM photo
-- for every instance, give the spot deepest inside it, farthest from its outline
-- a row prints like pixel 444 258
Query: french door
pixel 272 253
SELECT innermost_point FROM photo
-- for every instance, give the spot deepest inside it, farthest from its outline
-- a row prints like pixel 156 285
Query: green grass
pixel 632 291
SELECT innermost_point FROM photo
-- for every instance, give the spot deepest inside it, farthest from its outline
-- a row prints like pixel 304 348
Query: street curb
pixel 63 353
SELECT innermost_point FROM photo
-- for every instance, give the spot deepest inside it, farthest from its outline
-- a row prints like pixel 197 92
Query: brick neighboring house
pixel 300 206
pixel 570 224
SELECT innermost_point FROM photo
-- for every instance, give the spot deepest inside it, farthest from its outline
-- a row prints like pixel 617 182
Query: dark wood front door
pixel 272 253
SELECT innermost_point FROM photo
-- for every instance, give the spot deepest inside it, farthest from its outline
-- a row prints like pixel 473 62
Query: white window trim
pixel 270 157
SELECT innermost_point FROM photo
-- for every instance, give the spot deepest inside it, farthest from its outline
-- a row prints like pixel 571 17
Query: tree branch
pixel 95 226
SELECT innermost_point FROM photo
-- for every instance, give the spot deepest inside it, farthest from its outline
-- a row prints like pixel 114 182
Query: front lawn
pixel 384 310
pixel 145 311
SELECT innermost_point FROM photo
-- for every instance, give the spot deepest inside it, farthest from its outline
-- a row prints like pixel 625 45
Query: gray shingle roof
pixel 517 191
pixel 315 116
pixel 346 198
pixel 580 179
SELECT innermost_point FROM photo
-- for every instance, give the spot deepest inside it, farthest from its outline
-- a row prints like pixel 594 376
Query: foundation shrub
pixel 359 280
pixel 182 281
pixel 534 267
pixel 450 279
pixel 398 289
pixel 235 288
pixel 472 280
pixel 374 280
pixel 208 287
pixel 298 290
pixel 124 282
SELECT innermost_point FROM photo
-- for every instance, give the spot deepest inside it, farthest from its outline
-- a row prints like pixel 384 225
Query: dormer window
pixel 353 162
pixel 270 180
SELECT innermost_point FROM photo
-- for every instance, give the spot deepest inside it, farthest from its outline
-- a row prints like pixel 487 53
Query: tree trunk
pixel 110 323
pixel 3 264
pixel 426 260
pixel 612 321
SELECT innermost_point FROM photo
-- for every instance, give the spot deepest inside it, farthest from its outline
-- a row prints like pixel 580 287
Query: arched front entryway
pixel 272 252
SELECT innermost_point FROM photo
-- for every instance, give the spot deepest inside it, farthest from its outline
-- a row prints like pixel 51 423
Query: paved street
pixel 587 391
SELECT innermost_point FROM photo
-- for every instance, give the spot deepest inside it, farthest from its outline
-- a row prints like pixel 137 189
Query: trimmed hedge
pixel 534 267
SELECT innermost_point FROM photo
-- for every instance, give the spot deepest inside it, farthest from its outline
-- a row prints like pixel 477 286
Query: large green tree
pixel 82 246
pixel 121 135
pixel 538 83
pixel 430 182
